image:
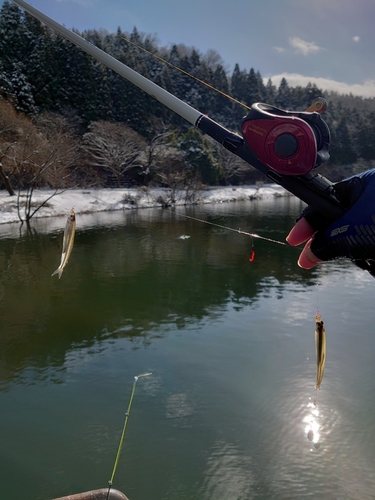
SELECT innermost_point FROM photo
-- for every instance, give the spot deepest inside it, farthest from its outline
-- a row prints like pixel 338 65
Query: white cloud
pixel 356 39
pixel 365 89
pixel 279 49
pixel 303 47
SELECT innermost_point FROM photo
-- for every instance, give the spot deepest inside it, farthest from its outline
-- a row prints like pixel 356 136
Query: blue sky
pixel 330 42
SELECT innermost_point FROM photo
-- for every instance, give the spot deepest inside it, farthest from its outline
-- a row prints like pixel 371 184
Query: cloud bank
pixel 366 89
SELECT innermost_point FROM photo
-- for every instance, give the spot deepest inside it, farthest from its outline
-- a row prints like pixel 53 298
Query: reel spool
pixel 288 142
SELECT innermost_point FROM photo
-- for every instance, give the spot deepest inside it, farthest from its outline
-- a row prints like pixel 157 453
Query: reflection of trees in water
pixel 135 281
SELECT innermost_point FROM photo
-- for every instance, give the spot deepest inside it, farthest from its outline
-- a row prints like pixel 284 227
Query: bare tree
pixel 114 147
pixel 156 153
pixel 173 174
pixel 232 165
pixel 213 59
pixel 3 176
pixel 11 126
pixel 41 157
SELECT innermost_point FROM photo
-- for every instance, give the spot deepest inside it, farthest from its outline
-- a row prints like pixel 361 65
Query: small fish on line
pixel 320 346
pixel 68 241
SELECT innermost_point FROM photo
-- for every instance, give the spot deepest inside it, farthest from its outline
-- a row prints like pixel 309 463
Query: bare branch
pixel 113 147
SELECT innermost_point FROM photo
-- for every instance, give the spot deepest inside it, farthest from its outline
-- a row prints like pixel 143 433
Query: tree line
pixel 65 119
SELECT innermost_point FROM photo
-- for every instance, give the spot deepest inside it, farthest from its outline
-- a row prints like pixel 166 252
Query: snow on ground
pixel 99 200
pixel 94 205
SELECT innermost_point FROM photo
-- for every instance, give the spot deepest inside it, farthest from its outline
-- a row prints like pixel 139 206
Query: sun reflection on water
pixel 312 425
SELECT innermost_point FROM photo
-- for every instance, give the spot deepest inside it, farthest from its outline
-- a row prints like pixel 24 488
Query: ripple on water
pixel 318 448
pixel 229 473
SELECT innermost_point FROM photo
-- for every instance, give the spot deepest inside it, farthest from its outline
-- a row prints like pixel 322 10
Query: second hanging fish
pixel 321 347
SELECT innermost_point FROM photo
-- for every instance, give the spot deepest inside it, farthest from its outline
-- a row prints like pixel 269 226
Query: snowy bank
pixel 87 201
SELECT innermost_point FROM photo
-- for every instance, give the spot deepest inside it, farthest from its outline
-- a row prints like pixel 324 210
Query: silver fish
pixel 68 241
pixel 320 345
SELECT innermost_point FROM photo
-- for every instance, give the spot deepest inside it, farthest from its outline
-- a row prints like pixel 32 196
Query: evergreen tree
pixel 283 98
pixel 200 96
pixel 239 84
pixel 183 84
pixel 255 87
pixel 342 151
pixel 19 89
pixel 99 102
pixel 269 93
pixel 59 79
pixel 221 106
pixel 39 63
pixel 239 92
pixel 199 158
pixel 12 40
pixel 366 138
pixel 78 75
pixel 311 92
pixel 14 55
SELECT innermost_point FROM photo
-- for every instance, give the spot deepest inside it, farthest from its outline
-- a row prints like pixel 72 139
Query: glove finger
pixel 301 232
pixel 307 259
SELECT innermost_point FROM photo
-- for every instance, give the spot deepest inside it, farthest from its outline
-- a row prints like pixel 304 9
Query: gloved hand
pixel 351 236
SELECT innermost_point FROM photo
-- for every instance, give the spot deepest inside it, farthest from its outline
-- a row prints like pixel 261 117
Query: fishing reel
pixel 288 142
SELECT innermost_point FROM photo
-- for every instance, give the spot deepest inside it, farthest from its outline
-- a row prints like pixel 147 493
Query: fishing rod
pixel 284 145
pixel 121 443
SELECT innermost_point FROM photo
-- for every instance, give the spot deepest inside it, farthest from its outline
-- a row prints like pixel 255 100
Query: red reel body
pixel 290 143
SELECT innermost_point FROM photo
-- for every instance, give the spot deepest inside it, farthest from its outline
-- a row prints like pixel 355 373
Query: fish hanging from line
pixel 320 346
pixel 68 241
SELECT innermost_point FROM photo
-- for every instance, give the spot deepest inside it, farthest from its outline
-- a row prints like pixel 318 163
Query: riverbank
pixel 87 201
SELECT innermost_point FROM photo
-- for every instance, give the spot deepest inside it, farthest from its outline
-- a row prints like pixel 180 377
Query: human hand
pixel 301 232
pixel 351 236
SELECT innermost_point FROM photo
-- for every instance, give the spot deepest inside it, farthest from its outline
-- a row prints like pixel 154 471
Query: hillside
pixel 65 120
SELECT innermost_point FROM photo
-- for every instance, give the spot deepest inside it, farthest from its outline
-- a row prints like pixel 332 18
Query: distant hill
pixel 40 72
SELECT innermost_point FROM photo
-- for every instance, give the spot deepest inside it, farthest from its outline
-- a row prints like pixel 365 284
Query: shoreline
pixel 89 201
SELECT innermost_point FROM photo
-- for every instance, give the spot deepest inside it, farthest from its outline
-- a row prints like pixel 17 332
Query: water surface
pixel 230 345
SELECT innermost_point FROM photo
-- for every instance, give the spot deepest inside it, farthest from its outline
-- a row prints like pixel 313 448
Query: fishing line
pixel 127 414
pixel 239 231
pixel 186 73
pixel 317 295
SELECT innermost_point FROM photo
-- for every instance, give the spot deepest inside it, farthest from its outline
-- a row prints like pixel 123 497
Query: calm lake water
pixel 230 344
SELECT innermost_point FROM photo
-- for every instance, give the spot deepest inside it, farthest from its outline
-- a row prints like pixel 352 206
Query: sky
pixel 328 42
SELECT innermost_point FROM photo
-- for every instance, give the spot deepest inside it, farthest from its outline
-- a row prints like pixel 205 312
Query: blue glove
pixel 352 235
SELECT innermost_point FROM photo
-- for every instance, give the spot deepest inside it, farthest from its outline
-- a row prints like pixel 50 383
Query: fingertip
pixel 307 260
pixel 305 263
pixel 300 233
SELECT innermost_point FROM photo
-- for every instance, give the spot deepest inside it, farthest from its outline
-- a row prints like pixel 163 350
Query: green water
pixel 230 346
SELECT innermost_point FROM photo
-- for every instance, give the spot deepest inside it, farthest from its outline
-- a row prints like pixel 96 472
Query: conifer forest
pixel 66 120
